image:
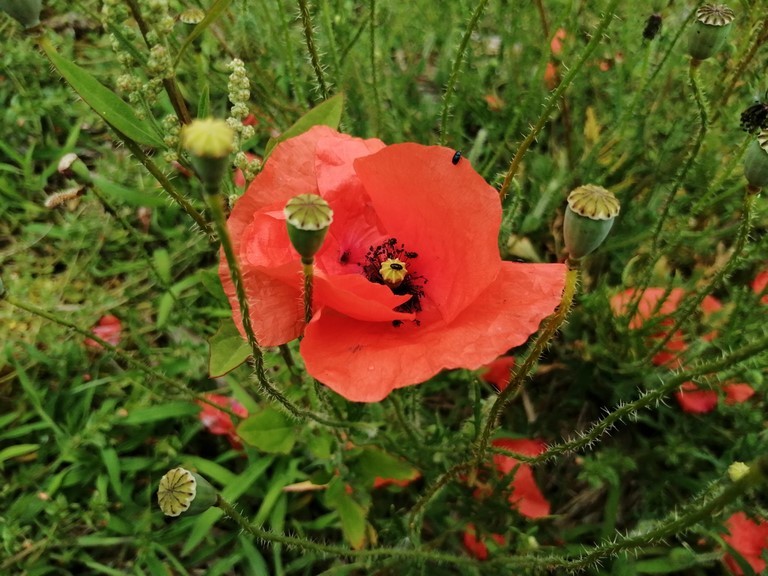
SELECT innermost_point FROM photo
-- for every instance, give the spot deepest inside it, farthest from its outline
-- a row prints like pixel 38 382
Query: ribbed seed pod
pixel 709 31
pixel 756 161
pixel 184 492
pixel 588 219
pixel 308 218
pixel 26 12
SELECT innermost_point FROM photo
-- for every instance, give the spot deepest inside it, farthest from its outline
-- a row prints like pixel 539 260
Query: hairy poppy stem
pixel 330 551
pixel 541 342
pixel 482 445
pixel 314 57
pixel 554 98
pixel 309 274
pixel 684 312
pixel 451 85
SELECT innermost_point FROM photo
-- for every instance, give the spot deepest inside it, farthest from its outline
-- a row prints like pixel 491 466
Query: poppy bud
pixel 184 492
pixel 26 12
pixel 588 219
pixel 709 31
pixel 737 471
pixel 209 141
pixel 756 161
pixel 308 217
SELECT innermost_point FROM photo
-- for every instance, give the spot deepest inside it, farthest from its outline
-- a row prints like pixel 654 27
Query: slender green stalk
pixel 404 422
pixel 710 197
pixel 309 275
pixel 169 84
pixel 374 80
pixel 330 551
pixel 542 340
pixel 144 367
pixel 555 96
pixel 314 56
pixel 701 106
pixel 481 446
pixel 457 62
pixel 691 515
pixel 153 169
pixel 688 307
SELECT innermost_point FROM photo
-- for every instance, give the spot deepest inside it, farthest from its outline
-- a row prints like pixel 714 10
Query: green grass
pixel 85 435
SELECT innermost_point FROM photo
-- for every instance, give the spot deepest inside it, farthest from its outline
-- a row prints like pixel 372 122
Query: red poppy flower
pixel 109 329
pixel 220 423
pixel 556 44
pixel 695 400
pixel 524 496
pixel 478 547
pixel 459 306
pixel 749 539
pixel 499 372
pixel 759 285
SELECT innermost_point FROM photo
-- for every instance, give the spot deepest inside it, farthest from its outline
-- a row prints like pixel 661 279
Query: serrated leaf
pixel 102 100
pixel 327 113
pixel 227 350
pixel 351 514
pixel 269 430
pixel 162 264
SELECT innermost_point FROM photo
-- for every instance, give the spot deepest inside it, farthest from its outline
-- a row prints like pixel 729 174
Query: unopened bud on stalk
pixel 588 219
pixel 210 142
pixel 308 217
pixel 756 162
pixel 737 471
pixel 184 492
pixel 26 12
pixel 709 31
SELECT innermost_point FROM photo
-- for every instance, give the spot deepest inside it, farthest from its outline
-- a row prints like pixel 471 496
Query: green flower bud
pixel 184 492
pixel 737 471
pixel 588 219
pixel 308 217
pixel 709 31
pixel 26 12
pixel 209 141
pixel 756 161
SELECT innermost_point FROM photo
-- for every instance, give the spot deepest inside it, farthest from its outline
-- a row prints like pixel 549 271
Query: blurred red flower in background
pixel 759 285
pixel 499 372
pixel 220 423
pixel 658 303
pixel 109 329
pixel 749 539
pixel 478 547
pixel 460 305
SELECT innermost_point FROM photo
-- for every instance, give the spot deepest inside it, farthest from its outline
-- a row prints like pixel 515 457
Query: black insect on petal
pixel 456 158
pixel 652 26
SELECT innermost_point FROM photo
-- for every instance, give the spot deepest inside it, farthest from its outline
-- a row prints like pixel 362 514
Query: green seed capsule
pixel 26 12
pixel 756 161
pixel 709 31
pixel 184 492
pixel 588 219
pixel 308 217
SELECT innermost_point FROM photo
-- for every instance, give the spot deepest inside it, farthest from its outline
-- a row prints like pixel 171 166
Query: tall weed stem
pixel 555 96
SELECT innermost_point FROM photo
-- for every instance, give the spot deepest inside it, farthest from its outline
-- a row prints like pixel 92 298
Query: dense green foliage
pixel 86 433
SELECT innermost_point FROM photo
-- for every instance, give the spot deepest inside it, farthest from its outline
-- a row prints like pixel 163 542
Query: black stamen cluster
pixel 377 255
pixel 755 118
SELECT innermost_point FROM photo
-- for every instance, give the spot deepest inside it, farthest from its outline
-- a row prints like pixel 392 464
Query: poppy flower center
pixel 387 264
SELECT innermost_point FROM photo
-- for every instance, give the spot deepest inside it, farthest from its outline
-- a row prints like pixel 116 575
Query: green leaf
pixel 16 451
pixel 227 350
pixel 129 196
pixel 351 513
pixel 269 430
pixel 327 113
pixel 169 411
pixel 104 102
pixel 210 17
pixel 162 264
pixel 373 463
